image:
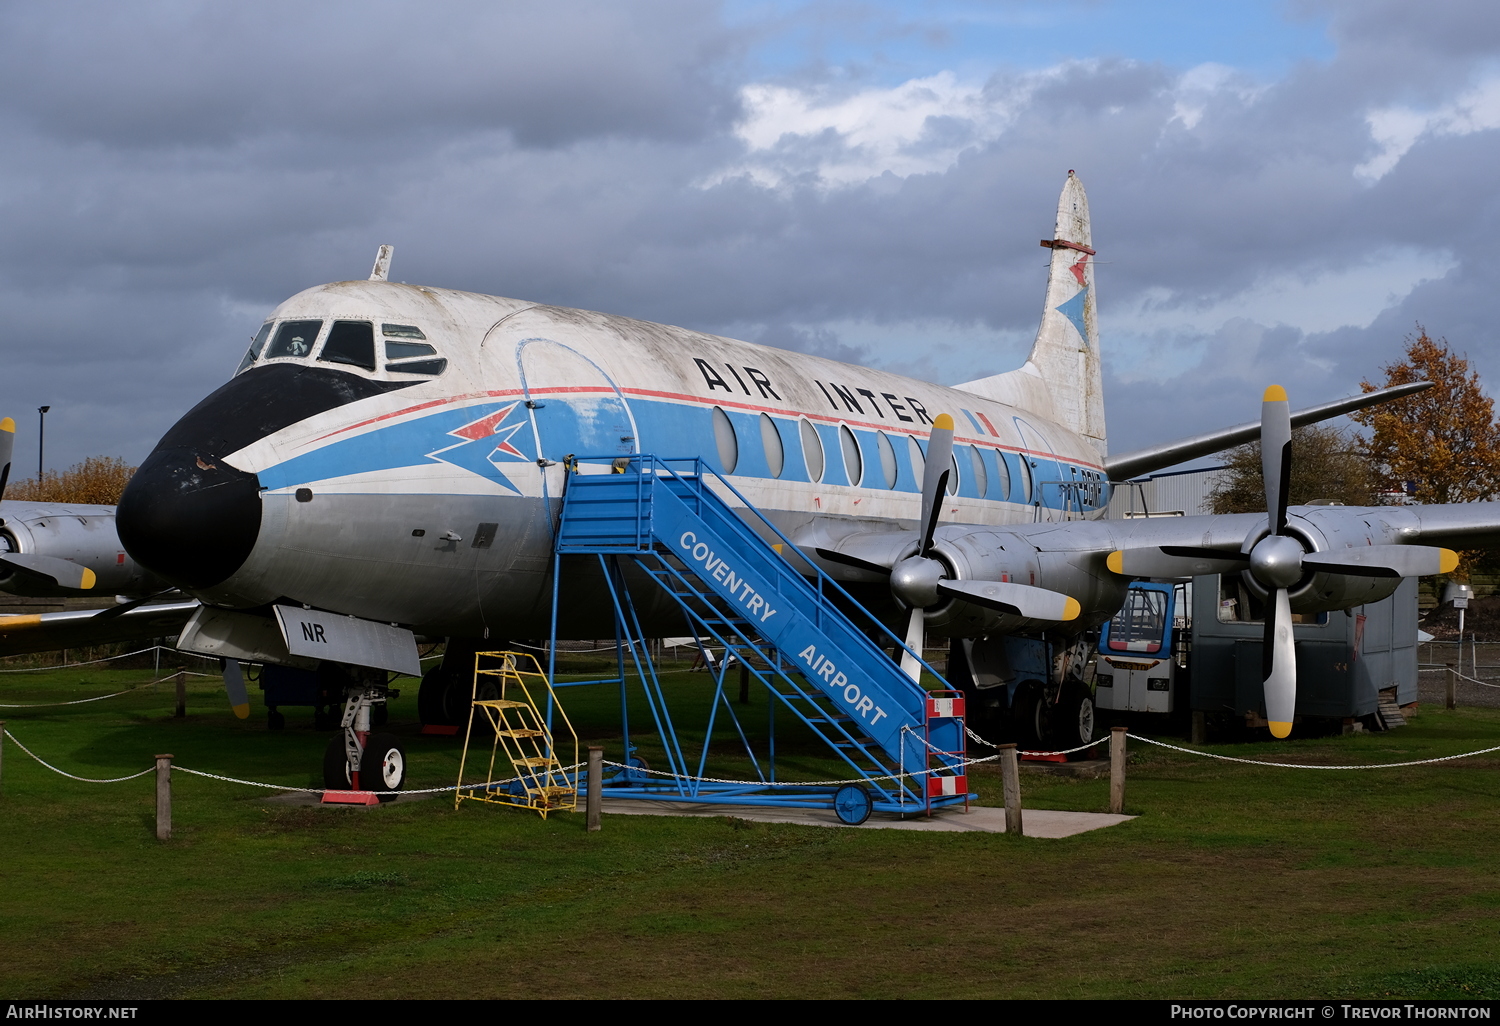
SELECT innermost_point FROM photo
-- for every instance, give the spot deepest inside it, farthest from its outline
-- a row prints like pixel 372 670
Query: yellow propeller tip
pixel 88 580
pixel 1116 562
pixel 8 425
pixel 1274 394
pixel 1280 729
pixel 1071 609
pixel 943 422
pixel 1447 562
pixel 242 711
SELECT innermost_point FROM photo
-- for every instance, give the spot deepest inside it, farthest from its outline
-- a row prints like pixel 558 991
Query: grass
pixel 1234 882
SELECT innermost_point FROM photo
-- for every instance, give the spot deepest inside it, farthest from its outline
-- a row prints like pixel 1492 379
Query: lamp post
pixel 41 435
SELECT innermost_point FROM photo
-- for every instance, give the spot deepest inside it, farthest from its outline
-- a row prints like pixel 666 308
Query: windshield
pixel 294 338
pixel 256 344
pixel 1140 623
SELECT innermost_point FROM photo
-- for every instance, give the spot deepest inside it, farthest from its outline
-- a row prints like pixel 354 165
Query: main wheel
pixel 1073 718
pixel 382 768
pixel 432 697
pixel 852 803
pixel 336 765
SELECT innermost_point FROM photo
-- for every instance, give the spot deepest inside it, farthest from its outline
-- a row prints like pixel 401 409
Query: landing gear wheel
pixel 382 768
pixel 852 803
pixel 1073 716
pixel 336 765
pixel 432 696
pixel 275 720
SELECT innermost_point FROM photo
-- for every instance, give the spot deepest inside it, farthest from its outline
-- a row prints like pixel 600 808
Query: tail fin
pixel 1062 379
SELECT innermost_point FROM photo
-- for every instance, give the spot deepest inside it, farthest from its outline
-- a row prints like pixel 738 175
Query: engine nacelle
pixel 1325 592
pixel 80 534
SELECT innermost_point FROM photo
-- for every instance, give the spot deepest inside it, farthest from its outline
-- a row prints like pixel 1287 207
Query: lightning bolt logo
pixel 483 445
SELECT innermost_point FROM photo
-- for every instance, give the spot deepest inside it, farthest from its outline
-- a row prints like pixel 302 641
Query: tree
pixel 98 480
pixel 1444 440
pixel 1328 468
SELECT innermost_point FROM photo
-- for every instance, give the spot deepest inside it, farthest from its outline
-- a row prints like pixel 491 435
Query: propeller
pixel 7 446
pixel 234 686
pixel 1279 560
pixel 50 570
pixel 920 580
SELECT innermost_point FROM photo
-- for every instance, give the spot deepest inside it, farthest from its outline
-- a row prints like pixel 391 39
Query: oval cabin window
pixel 726 442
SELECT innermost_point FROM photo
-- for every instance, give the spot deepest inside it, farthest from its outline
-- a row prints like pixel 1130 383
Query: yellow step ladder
pixel 503 711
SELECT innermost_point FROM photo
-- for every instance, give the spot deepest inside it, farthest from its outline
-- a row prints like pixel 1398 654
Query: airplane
pixel 390 459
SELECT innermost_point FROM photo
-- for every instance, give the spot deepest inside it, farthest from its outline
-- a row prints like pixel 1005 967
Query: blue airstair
pixel 746 589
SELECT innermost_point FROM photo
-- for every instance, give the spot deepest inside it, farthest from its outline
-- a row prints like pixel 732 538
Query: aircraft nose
pixel 189 517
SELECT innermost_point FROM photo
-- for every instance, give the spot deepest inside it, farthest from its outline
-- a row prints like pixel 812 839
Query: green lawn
pixel 1236 881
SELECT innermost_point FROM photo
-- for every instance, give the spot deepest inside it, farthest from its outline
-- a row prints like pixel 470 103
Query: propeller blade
pixel 834 556
pixel 1279 665
pixel 1016 599
pixel 7 446
pixel 916 637
pixel 1384 561
pixel 1276 454
pixel 56 571
pixel 1176 561
pixel 935 473
pixel 125 607
pixel 234 686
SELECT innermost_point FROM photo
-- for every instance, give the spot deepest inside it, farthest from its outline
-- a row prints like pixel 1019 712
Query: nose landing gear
pixel 361 767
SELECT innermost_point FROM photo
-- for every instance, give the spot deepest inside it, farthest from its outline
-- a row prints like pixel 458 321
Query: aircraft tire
pixel 1074 717
pixel 336 765
pixel 432 697
pixel 382 768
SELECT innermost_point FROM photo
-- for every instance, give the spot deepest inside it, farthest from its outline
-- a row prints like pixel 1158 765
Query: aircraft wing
pixel 46 632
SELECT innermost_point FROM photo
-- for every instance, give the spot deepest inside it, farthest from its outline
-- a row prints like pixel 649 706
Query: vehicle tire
pixel 336 765
pixel 1033 717
pixel 382 768
pixel 432 697
pixel 852 804
pixel 1073 718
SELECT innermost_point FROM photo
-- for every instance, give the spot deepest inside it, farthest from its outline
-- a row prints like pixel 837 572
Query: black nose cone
pixel 188 517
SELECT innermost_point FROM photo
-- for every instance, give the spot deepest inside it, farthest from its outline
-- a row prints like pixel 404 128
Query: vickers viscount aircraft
pixel 393 457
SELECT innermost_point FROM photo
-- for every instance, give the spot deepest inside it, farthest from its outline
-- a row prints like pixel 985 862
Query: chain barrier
pixel 1066 751
pixel 100 698
pixel 105 659
pixel 1313 766
pixel 1473 680
pixel 70 776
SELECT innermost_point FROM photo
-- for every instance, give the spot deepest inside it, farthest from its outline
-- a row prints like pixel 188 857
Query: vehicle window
pixel 406 350
pixel 351 342
pixel 401 331
pixel 1140 623
pixel 1002 484
pixel 981 474
pixel 812 451
pixel 853 462
pixel 887 458
pixel 432 368
pixel 294 338
pixel 770 440
pixel 724 438
pixel 256 345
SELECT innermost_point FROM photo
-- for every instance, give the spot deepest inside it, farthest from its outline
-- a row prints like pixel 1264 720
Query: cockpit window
pixel 256 344
pixel 294 338
pixel 351 342
pixel 402 331
pixel 432 367
pixel 407 350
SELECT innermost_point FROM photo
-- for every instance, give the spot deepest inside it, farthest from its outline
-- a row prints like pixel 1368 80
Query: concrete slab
pixel 979 819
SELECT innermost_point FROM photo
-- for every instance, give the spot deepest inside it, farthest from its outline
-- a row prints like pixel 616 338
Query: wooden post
pixel 1452 702
pixel 163 797
pixel 744 684
pixel 595 800
pixel 1010 773
pixel 2 750
pixel 1117 770
pixel 1200 727
pixel 181 694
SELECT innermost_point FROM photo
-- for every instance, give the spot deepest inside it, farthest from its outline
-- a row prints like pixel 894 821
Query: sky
pixel 1281 192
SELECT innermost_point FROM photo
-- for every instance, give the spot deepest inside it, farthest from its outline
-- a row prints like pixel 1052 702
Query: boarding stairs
pixel 738 581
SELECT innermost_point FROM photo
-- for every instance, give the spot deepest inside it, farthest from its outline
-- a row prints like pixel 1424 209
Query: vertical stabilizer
pixel 1062 378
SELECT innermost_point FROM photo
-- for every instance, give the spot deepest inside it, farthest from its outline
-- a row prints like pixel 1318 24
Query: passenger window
pixel 351 342
pixel 294 338
pixel 770 440
pixel 854 467
pixel 726 442
pixel 981 475
pixel 401 331
pixel 256 345
pixel 812 451
pixel 887 458
pixel 431 368
pixel 1003 484
pixel 406 350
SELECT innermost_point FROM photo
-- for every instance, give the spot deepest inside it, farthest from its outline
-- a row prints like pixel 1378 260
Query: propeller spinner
pixel 1279 560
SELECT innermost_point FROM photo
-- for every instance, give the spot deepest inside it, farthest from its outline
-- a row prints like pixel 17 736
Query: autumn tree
pixel 1328 467
pixel 98 480
pixel 1443 440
